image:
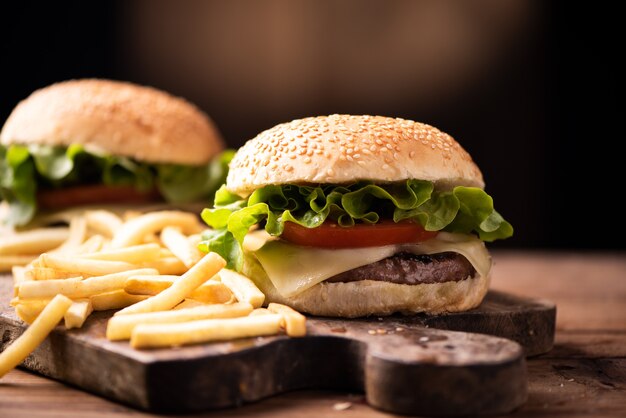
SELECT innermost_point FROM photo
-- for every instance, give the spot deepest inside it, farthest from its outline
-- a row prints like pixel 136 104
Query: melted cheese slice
pixel 293 269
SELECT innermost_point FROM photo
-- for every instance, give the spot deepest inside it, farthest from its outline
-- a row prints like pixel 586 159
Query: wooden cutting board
pixel 456 364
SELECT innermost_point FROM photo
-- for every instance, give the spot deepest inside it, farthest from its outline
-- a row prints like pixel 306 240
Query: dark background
pixel 532 90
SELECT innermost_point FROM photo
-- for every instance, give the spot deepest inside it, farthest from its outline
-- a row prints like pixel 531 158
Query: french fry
pixel 260 311
pixel 78 232
pixel 121 327
pixel 33 242
pixel 188 303
pixel 208 292
pixel 165 335
pixel 180 246
pixel 84 265
pixel 77 313
pixel 149 285
pixel 136 254
pixel 29 310
pixel 8 261
pixel 103 221
pixel 47 273
pixel 91 245
pixel 35 334
pixel 165 253
pixel 242 287
pixel 19 276
pixel 194 239
pixel 206 268
pixel 293 321
pixel 151 239
pixel 114 300
pixel 133 231
pixel 167 266
pixel 76 289
pixel 131 214
pixel 254 240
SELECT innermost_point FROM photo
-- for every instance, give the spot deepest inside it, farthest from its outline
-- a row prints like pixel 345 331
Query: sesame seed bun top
pixel 341 149
pixel 116 118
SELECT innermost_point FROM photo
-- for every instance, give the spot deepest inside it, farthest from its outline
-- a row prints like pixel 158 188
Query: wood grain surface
pixel 585 374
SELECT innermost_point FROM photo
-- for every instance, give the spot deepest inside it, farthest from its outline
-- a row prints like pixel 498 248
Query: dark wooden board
pixel 405 364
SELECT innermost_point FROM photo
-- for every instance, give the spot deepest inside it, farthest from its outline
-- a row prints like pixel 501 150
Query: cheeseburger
pixel 357 215
pixel 85 142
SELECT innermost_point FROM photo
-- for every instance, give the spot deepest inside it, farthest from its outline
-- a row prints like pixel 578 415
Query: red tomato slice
pixel 92 194
pixel 331 235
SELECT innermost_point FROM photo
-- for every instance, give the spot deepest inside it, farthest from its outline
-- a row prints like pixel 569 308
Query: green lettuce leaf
pixel 466 210
pixel 178 183
pixel 25 169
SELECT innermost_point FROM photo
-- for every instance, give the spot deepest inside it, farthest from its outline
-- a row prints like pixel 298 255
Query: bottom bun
pixel 371 297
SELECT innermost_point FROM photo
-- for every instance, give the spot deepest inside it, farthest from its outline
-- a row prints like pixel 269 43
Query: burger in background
pixel 102 142
pixel 357 215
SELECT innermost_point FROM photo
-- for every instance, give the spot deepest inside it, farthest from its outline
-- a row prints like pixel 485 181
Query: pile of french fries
pixel 148 266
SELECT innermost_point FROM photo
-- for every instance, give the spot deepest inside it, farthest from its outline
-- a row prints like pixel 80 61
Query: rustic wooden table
pixel 585 374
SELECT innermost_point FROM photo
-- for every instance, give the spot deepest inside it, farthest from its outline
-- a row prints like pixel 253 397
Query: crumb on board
pixel 342 406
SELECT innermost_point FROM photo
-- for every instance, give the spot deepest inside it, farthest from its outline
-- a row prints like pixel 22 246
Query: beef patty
pixel 408 268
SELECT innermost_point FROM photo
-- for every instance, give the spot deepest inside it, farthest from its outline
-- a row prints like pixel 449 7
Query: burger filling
pixel 407 232
pixel 33 176
pixel 409 268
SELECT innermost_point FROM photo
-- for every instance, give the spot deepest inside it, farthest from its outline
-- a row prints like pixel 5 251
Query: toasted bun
pixel 372 297
pixel 340 149
pixel 115 118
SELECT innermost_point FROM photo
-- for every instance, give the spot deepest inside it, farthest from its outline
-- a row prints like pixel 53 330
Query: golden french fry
pixel 78 288
pixel 208 292
pixel 114 300
pixel 167 266
pixel 164 335
pixel 29 310
pixel 213 292
pixel 188 303
pixel 91 245
pixel 165 253
pixel 148 285
pixel 293 321
pixel 206 268
pixel 103 221
pixel 260 311
pixel 131 214
pixel 35 241
pixel 137 254
pixel 78 232
pixel 180 246
pixel 194 239
pixel 133 231
pixel 34 335
pixel 77 313
pixel 47 273
pixel 152 239
pixel 8 261
pixel 254 240
pixel 120 327
pixel 19 275
pixel 84 265
pixel 242 287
